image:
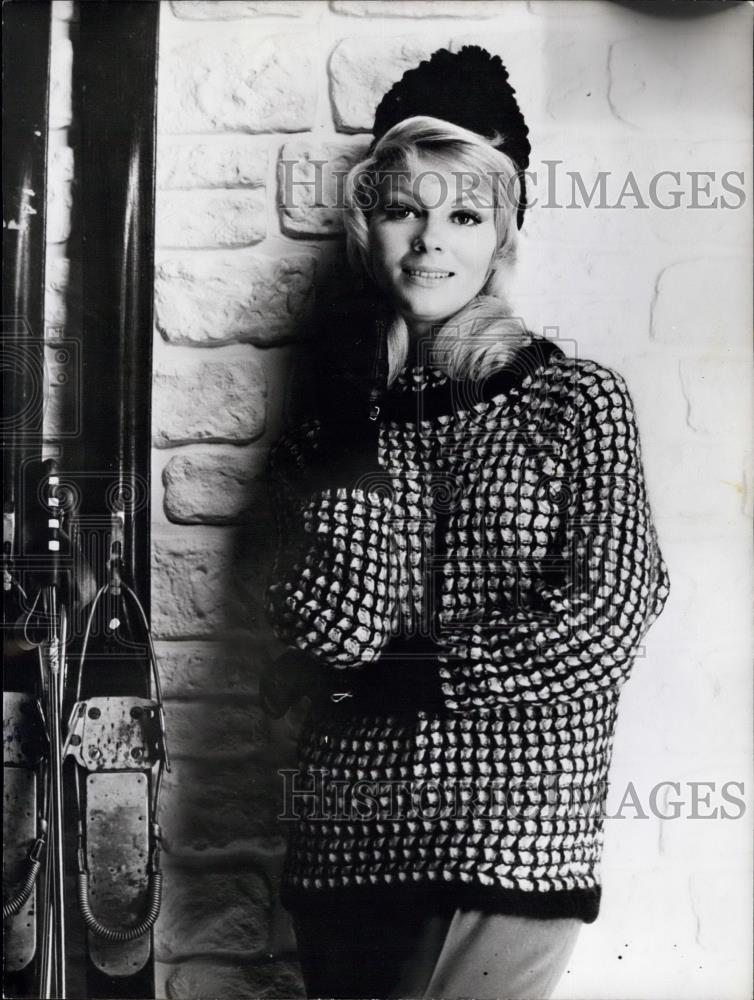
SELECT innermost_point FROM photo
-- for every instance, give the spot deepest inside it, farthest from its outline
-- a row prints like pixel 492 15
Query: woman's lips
pixel 427 278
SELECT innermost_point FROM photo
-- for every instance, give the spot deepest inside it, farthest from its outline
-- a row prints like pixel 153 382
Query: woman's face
pixel 431 244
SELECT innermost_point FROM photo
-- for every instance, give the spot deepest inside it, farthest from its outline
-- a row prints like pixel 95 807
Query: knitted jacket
pixel 476 602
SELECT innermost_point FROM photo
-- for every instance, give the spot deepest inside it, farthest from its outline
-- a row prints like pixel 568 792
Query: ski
pixel 26 79
pixel 115 750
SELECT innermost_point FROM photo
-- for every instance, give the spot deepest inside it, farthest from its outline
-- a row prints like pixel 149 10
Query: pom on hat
pixel 469 88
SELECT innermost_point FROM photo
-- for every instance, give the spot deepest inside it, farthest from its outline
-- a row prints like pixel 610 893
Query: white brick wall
pixel 662 295
pixel 61 272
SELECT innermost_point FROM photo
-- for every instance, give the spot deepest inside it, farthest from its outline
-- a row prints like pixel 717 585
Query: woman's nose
pixel 428 239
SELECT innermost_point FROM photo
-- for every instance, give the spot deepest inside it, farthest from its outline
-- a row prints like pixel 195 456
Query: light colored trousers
pixel 346 952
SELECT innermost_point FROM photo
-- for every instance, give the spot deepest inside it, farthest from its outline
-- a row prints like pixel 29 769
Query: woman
pixel 468 567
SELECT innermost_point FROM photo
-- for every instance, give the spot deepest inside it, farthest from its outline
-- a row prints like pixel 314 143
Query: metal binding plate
pixel 117 838
pixel 115 734
pixel 19 833
pixel 23 733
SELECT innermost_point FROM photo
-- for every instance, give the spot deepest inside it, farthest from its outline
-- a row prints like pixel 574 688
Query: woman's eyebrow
pixel 392 196
pixel 473 199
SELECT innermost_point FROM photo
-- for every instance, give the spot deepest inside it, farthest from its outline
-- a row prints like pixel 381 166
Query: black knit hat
pixel 468 88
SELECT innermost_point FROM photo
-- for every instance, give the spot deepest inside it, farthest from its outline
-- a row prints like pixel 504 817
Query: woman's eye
pixel 467 218
pixel 399 212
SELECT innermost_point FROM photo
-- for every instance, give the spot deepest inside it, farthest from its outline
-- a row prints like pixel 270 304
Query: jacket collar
pixel 422 394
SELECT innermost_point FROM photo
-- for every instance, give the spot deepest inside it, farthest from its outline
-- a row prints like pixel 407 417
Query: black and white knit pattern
pixel 526 510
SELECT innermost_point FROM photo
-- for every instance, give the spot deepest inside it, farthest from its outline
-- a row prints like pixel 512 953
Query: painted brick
pixel 64 10
pixel 211 162
pixel 693 302
pixel 674 74
pixel 310 185
pixel 215 487
pixel 211 582
pixel 206 219
pixel 191 584
pixel 59 197
pixel 265 981
pixel 57 277
pixel 702 602
pixel 587 301
pixel 677 490
pixel 361 72
pixel 714 182
pixel 747 481
pixel 230 10
pixel 61 59
pixel 554 10
pixel 212 669
pixel 220 731
pixel 206 911
pixel 231 296
pixel 418 8
pixel 199 399
pixel 237 82
pixel 209 807
pixel 717 402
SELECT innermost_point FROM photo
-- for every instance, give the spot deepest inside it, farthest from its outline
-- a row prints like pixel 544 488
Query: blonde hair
pixel 484 335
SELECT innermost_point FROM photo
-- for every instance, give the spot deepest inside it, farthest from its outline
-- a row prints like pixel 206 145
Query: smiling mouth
pixel 417 272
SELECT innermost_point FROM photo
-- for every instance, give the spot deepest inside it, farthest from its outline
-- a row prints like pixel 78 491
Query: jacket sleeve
pixel 581 632
pixel 333 593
